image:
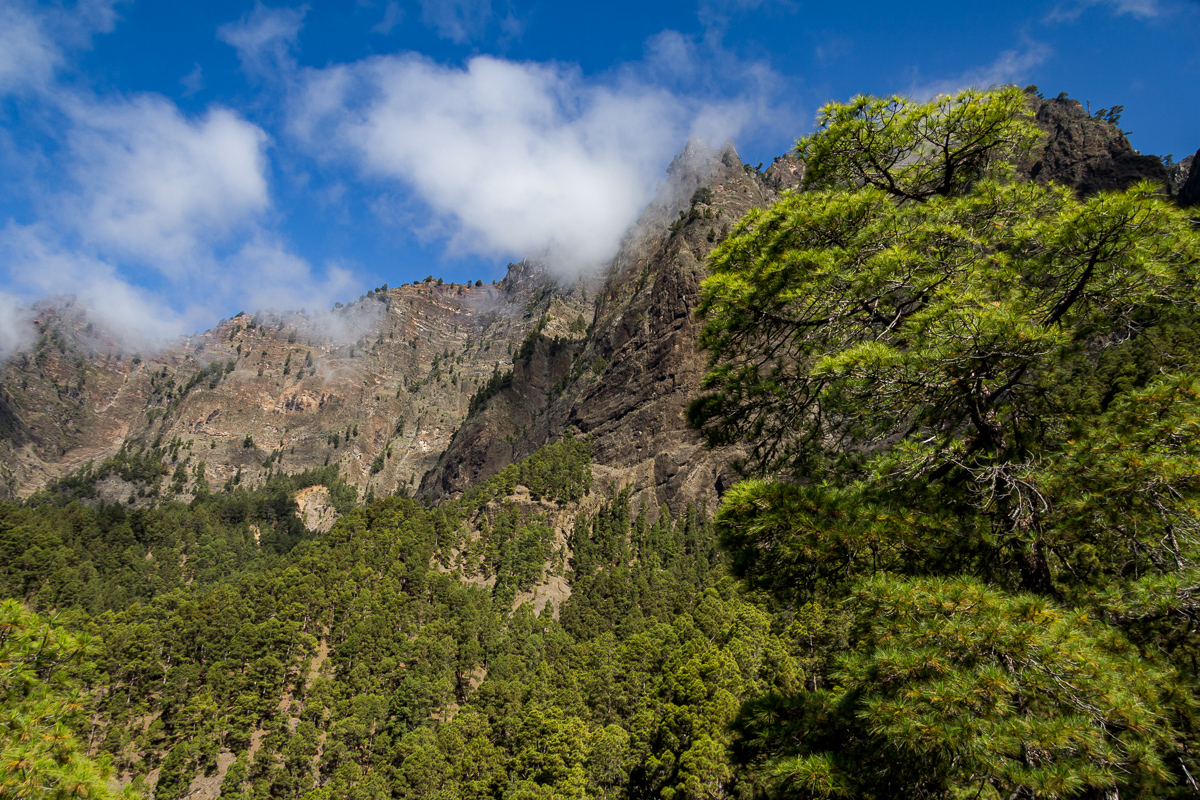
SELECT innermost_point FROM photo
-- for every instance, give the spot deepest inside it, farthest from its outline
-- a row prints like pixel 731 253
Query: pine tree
pixel 896 345
pixel 41 755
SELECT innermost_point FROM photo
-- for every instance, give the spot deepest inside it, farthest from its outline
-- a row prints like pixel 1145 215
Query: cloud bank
pixel 509 158
pixel 512 156
pixel 163 221
pixel 157 220
pixel 155 186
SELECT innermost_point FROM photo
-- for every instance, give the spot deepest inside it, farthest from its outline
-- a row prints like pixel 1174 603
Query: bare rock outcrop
pixel 377 387
pixel 1189 190
pixel 1177 175
pixel 1088 153
pixel 785 172
pixel 315 508
pixel 628 382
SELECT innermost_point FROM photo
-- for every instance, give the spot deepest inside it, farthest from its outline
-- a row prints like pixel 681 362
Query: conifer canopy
pixel 939 373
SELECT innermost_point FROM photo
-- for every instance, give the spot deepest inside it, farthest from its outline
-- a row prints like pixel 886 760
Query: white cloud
pixel 1073 10
pixel 33 40
pixel 264 39
pixel 157 220
pixel 39 265
pixel 28 58
pixel 514 155
pixel 156 186
pixel 505 157
pixel 393 15
pixel 163 221
pixel 1011 66
pixel 265 274
pixel 15 331
pixel 261 274
pixel 181 197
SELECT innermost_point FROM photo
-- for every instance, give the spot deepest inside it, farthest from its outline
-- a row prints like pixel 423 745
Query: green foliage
pixel 1110 115
pixel 41 712
pixel 957 690
pixel 916 151
pixel 703 195
pixel 525 351
pixel 142 466
pixel 989 391
pixel 107 557
pixel 432 686
pixel 498 382
pixel 560 472
pixel 954 316
pixel 435 687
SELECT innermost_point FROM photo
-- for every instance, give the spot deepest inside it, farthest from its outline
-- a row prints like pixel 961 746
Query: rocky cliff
pixel 626 383
pixel 1178 173
pixel 1188 191
pixel 1086 151
pixel 439 386
pixel 377 387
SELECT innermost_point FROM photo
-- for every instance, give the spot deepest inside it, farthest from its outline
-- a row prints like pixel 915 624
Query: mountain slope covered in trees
pixel 963 401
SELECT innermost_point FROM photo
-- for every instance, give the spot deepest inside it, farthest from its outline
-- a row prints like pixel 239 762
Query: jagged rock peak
pixel 527 272
pixel 1087 152
pixel 1178 174
pixel 698 161
pixel 1189 192
pixel 534 276
pixel 696 165
pixel 785 172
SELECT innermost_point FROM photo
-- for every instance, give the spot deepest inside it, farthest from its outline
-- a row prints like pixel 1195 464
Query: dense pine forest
pixel 962 562
pixel 433 685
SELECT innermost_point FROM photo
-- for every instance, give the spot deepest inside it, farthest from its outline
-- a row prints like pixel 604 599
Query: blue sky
pixel 171 163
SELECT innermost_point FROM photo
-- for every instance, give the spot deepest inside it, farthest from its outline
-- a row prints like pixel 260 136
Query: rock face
pixel 1086 152
pixel 785 172
pixel 628 381
pixel 1189 190
pixel 377 387
pixel 1177 174
pixel 315 508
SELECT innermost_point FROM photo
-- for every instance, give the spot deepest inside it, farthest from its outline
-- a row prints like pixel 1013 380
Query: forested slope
pixel 385 658
pixel 962 563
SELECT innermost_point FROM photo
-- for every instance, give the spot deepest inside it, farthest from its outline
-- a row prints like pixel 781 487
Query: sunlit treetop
pixel 914 151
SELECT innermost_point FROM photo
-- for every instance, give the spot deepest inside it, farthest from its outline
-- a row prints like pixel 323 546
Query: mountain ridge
pixel 383 386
